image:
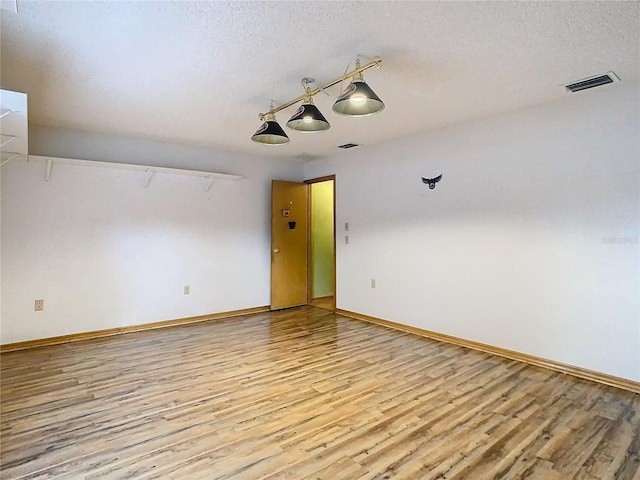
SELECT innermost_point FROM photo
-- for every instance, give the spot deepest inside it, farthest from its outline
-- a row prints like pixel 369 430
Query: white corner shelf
pixel 149 172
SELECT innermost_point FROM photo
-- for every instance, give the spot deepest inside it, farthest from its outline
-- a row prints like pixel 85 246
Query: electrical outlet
pixel 39 305
pixel 187 290
pixel 373 283
pixel 346 226
pixel 346 239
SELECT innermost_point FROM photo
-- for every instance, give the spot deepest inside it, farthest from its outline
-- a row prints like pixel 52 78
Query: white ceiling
pixel 200 72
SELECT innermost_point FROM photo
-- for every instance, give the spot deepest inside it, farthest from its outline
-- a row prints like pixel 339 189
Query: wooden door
pixel 288 244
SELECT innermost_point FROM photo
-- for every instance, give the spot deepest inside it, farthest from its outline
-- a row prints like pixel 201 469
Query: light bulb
pixel 358 99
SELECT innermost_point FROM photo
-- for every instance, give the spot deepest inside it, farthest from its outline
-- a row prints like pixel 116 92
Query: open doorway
pixel 321 284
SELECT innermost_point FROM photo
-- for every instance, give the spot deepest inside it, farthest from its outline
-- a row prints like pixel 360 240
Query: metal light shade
pixel 358 100
pixel 308 119
pixel 270 133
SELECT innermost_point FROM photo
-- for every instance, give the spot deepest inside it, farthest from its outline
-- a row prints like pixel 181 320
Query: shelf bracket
pixel 10 138
pixel 147 180
pixel 208 183
pixel 47 171
pixel 10 158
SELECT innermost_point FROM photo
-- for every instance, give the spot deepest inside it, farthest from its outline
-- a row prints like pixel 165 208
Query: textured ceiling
pixel 200 72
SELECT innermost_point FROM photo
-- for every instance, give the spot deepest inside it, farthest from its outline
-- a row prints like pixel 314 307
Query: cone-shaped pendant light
pixel 270 133
pixel 358 100
pixel 308 118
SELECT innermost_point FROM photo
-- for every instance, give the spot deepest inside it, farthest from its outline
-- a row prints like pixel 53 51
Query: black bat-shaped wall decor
pixel 432 181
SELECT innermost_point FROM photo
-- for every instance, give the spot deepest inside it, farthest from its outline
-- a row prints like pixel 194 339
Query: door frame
pixel 309 257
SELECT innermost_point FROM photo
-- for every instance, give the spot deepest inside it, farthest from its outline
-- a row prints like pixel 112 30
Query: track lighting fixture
pixel 357 100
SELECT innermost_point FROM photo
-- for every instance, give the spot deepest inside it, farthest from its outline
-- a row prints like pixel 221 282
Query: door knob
pixel 276 250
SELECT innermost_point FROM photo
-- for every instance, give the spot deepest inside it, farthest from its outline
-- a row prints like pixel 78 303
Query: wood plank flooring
pixel 326 303
pixel 303 394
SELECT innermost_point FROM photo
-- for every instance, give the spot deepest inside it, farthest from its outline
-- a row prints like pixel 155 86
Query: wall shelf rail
pixel 208 178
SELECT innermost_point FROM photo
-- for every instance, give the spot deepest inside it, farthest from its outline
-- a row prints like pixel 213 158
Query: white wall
pixel 530 242
pixel 57 142
pixel 103 251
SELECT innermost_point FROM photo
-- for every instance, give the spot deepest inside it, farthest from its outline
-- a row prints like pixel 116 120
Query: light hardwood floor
pixel 326 303
pixel 303 394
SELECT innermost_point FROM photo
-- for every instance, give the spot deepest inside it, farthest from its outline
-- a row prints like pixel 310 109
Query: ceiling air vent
pixel 348 145
pixel 592 82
